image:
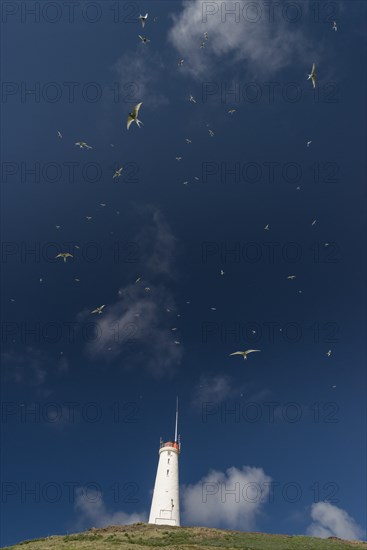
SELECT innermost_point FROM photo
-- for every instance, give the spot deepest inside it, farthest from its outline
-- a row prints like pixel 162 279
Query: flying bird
pixel 133 116
pixel 144 39
pixel 83 145
pixel 188 140
pixel 309 143
pixel 231 111
pixel 180 62
pixel 178 158
pixel 291 277
pixel 202 45
pixel 192 99
pixel 143 19
pixel 266 227
pixel 98 309
pixel 211 133
pixel 64 255
pixel 206 35
pixel 221 272
pixel 88 218
pixel 328 353
pixel 59 134
pixel 335 28
pixel 117 173
pixel 314 222
pixel 244 353
pixel 312 76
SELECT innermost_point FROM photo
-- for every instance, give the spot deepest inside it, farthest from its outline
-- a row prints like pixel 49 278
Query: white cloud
pixel 137 327
pixel 140 75
pixel 329 520
pixel 157 244
pixel 217 389
pixel 32 367
pixel 212 389
pixel 231 499
pixel 27 367
pixel 256 40
pixel 92 511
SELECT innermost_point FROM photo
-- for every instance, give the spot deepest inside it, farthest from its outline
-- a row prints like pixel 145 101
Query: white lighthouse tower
pixel 165 509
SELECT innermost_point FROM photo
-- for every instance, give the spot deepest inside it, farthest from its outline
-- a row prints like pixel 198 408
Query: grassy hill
pixel 143 536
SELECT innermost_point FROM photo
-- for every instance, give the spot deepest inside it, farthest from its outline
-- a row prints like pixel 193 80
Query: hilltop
pixel 144 536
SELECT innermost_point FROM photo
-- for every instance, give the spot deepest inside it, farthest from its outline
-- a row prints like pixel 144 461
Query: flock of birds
pixel 312 77
pixel 133 118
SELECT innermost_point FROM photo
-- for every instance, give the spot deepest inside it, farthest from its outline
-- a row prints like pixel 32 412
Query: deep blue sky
pixel 175 237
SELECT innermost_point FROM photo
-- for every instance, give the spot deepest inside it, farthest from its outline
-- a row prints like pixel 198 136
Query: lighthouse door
pixel 162 521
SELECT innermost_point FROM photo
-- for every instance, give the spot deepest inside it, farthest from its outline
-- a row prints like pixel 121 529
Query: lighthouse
pixel 165 509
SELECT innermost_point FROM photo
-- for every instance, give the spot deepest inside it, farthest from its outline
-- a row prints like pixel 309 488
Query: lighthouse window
pixel 168 461
pixel 167 472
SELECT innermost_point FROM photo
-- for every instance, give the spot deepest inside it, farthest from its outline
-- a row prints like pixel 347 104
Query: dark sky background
pixel 102 388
